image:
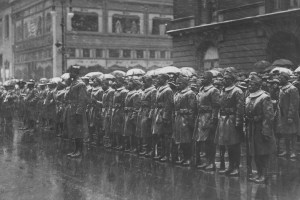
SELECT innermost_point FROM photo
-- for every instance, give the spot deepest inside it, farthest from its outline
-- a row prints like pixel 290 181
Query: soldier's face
pixel 227 81
pixel 253 86
pixel 105 85
pixel 282 79
pixel 160 80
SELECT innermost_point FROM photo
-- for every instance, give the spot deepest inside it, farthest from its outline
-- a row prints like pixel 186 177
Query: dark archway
pixel 284 45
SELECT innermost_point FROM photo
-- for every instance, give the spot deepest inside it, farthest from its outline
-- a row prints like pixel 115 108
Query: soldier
pixel 59 103
pixel 42 95
pixel 230 126
pixel 95 111
pixel 9 102
pixel 145 115
pixel 259 115
pixel 107 99
pixel 76 119
pixel 118 113
pixel 185 110
pixel 50 106
pixel 162 125
pixel 132 106
pixel 21 92
pixel 206 122
pixel 288 115
pixel 31 100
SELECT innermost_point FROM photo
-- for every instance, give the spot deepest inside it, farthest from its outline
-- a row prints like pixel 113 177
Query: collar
pixel 185 90
pixel 163 87
pixel 229 88
pixel 206 88
pixel 149 89
pixel 120 89
pixel 287 86
pixel 256 94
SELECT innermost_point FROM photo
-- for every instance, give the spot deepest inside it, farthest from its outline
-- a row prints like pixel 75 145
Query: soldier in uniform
pixel 107 100
pixel 9 102
pixel 76 118
pixel 59 103
pixel 118 113
pixel 42 95
pixel 50 106
pixel 259 115
pixel 132 106
pixel 21 92
pixel 31 100
pixel 185 113
pixel 206 122
pixel 230 126
pixel 288 115
pixel 162 124
pixel 95 111
pixel 145 115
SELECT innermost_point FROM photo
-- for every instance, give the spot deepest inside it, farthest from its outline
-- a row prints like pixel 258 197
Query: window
pixel 99 53
pixel 72 52
pixel 211 58
pixel 294 3
pixel 126 24
pixel 86 53
pixel 159 26
pixel 152 54
pixel 163 54
pixel 6 26
pixel 126 53
pixel 139 54
pixel 85 22
pixel 114 53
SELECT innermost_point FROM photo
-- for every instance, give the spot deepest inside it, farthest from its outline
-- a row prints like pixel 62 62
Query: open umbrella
pixel 214 72
pixel 192 70
pixel 281 69
pixel 107 77
pixel 282 63
pixel 56 79
pixel 118 73
pixel 297 70
pixel 169 70
pixel 153 72
pixel 263 66
pixel 186 72
pixel 135 72
pixel 65 76
pixel 93 74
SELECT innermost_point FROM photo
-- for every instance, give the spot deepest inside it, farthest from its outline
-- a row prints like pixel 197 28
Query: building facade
pixel 98 35
pixel 220 33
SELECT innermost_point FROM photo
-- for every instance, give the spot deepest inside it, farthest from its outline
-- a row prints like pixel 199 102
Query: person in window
pixel 118 27
pixel 134 27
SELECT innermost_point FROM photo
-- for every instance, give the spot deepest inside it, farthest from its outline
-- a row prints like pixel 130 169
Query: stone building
pixel 98 34
pixel 220 33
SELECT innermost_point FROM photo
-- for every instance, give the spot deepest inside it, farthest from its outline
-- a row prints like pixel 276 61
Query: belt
pixel 205 109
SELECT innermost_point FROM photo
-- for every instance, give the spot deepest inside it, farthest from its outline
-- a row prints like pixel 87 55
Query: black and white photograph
pixel 149 99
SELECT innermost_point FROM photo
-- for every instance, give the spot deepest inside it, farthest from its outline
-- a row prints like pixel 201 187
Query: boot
pixel 79 143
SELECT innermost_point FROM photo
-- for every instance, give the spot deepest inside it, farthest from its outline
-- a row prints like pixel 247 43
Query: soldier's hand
pixel 290 121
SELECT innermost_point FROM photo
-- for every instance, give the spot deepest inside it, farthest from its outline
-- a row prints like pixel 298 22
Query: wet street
pixel 35 166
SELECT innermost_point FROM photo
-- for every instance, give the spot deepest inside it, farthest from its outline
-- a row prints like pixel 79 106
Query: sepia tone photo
pixel 149 99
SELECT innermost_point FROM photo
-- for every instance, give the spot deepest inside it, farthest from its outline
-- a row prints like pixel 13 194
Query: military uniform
pixel 76 115
pixel 31 100
pixel 261 141
pixel 185 110
pixel 118 116
pixel 162 124
pixel 206 122
pixel 230 125
pixel 8 105
pixel 107 100
pixel 50 107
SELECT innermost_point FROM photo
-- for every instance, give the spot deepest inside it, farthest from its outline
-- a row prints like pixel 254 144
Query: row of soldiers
pixel 169 117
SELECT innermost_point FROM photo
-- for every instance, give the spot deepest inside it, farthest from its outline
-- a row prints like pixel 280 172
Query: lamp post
pixel 62 44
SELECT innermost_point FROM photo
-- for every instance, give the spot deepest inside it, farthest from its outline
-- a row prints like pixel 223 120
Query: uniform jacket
pixel 94 115
pixel 9 103
pixel 185 113
pixel 207 108
pixel 259 116
pixel 31 100
pixel 77 97
pixel 107 100
pixel 132 106
pixel 50 106
pixel 118 113
pixel 145 114
pixel 164 106
pixel 288 108
pixel 230 116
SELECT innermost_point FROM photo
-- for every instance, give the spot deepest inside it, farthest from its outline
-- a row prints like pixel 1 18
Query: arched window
pixel 211 58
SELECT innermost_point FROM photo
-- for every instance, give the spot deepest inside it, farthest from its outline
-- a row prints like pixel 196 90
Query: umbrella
pixel 214 72
pixel 297 70
pixel 192 70
pixel 153 72
pixel 93 74
pixel 263 65
pixel 107 76
pixel 169 70
pixel 186 72
pixel 56 79
pixel 282 63
pixel 118 73
pixel 65 76
pixel 135 72
pixel 282 69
